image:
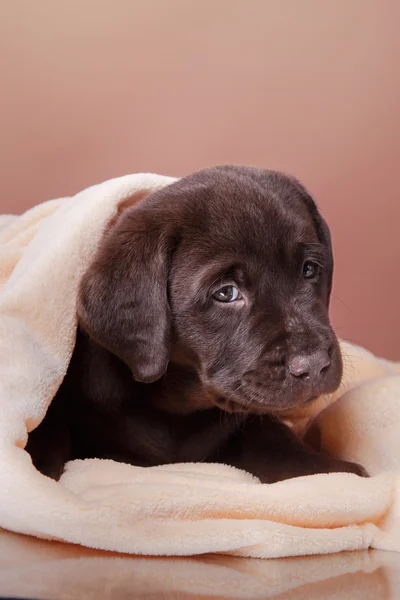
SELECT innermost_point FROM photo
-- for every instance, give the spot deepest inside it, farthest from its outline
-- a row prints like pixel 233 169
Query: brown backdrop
pixel 91 89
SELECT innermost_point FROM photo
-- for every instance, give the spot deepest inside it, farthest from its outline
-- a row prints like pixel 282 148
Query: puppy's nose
pixel 309 366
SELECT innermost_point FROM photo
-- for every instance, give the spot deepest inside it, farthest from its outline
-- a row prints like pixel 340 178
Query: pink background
pixel 92 89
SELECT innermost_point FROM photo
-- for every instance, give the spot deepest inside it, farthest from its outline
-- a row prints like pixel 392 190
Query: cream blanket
pixel 177 509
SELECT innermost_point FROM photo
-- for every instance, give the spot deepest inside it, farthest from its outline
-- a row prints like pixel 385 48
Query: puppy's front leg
pixel 50 444
pixel 272 452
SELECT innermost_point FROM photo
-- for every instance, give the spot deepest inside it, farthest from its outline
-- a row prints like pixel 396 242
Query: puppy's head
pixel 229 272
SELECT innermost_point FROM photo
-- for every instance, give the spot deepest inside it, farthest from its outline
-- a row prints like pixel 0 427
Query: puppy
pixel 203 321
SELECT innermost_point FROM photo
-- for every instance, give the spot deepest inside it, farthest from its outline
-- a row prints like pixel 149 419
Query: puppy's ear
pixel 123 298
pixel 324 237
pixel 323 233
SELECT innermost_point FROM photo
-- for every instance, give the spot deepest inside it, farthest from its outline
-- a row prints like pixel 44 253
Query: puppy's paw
pixel 342 466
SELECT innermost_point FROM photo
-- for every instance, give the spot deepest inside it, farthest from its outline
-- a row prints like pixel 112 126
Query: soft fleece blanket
pixel 183 509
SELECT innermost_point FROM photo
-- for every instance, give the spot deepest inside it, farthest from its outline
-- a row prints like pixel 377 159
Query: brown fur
pixel 162 372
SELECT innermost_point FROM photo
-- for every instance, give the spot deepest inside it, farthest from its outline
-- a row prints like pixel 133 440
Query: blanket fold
pixel 184 509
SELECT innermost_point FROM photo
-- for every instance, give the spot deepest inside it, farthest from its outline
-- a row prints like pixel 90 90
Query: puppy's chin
pixel 309 410
pixel 283 409
pixel 231 406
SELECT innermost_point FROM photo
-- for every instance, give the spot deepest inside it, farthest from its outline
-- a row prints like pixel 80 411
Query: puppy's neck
pixel 183 357
pixel 180 391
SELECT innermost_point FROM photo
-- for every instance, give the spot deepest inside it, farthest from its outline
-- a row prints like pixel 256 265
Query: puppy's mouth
pixel 235 406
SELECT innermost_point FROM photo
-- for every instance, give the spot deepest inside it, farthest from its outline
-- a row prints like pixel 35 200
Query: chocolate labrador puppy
pixel 203 320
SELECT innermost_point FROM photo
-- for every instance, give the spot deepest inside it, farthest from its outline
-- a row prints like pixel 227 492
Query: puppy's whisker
pixel 234 391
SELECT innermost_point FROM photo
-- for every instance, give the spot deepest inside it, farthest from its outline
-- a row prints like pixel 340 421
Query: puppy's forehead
pixel 254 210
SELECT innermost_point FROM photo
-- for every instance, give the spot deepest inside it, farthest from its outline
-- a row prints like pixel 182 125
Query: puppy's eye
pixel 228 293
pixel 311 270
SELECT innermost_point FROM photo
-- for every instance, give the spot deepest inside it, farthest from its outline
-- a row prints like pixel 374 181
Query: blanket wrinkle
pixel 182 509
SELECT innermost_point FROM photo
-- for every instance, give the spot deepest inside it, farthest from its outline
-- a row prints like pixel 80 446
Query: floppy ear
pixel 122 302
pixel 324 236
pixel 322 229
